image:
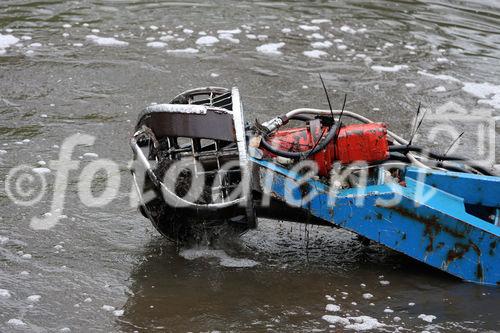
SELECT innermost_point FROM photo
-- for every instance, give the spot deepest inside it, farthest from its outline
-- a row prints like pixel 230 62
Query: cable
pixel 426 152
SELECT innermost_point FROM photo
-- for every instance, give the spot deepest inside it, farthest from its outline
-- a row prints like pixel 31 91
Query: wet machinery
pixel 202 170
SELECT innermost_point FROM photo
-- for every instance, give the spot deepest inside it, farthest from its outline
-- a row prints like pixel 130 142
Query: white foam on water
pixel 3 239
pixel 186 50
pixel 153 27
pixel 238 263
pixel 427 318
pixel 166 38
pixel 332 307
pixel 348 29
pixel 108 308
pixel 90 155
pixel 7 41
pixel 262 37
pixel 341 47
pixel 187 31
pixel 410 47
pixel 309 27
pixel 66 26
pixel 26 256
pixel 34 298
pixel 214 74
pixel 391 69
pixel 2 152
pixel 361 323
pixel 439 76
pixel 387 310
pixel 207 40
pixel 229 37
pixel 388 44
pixel 321 45
pixel 335 319
pixel 315 54
pixel 411 304
pixel 410 85
pixel 41 171
pixel 106 41
pixel 77 44
pixel 286 30
pixel 156 45
pixel 150 39
pixel 271 48
pixel 487 93
pixel 231 32
pixel 16 322
pixel 364 323
pixel 442 60
pixel 4 293
pixel 225 259
pixel 118 313
pixel 87 300
pixel 319 21
pixel 316 35
pixel 367 296
pixel 25 37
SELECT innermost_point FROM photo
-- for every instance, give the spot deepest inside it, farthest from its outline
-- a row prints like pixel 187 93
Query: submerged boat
pixel 202 171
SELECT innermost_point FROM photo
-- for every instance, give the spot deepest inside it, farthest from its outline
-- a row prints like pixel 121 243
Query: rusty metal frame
pixel 438 231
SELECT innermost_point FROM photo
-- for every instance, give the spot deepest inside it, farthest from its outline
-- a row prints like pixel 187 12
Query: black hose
pixel 399 157
pixel 441 159
pixel 332 133
pixel 406 149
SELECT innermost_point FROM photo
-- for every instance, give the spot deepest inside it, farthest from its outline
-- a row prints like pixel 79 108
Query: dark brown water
pixel 387 55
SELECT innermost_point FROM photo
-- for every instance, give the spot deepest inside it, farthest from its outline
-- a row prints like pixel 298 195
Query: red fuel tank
pixel 358 142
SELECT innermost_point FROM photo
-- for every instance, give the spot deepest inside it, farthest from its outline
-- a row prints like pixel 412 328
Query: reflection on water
pixel 90 66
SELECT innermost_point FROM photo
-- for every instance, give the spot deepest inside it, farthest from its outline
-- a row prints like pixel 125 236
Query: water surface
pixel 59 79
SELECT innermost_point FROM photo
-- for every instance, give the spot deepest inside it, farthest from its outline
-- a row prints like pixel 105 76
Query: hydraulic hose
pixel 441 159
pixel 332 133
pixel 418 149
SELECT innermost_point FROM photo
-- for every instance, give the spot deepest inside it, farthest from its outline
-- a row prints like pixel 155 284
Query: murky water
pixel 59 77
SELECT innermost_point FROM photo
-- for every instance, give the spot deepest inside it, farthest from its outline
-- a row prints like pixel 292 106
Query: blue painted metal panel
pixel 427 223
pixel 473 189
